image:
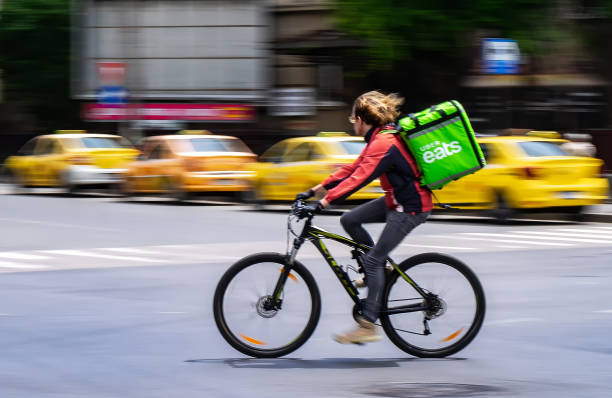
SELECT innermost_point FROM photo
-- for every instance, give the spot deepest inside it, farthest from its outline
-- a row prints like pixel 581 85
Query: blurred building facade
pixel 261 62
pixel 266 69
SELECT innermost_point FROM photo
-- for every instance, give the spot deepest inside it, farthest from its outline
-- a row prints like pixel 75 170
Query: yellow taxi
pixel 296 164
pixel 190 162
pixel 528 173
pixel 71 159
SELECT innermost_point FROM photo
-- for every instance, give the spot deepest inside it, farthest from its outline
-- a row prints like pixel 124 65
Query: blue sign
pixel 500 56
pixel 112 95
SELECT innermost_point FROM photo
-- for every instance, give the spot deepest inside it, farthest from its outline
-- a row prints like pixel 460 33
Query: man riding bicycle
pixel 406 203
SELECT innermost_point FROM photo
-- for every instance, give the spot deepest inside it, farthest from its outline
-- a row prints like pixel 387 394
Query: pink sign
pixel 196 112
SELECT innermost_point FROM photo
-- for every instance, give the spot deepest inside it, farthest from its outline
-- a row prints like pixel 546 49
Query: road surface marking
pixel 57 224
pixel 100 255
pixel 604 311
pixel 589 230
pixel 512 320
pixel 21 256
pixel 589 233
pixel 172 312
pixel 438 247
pixel 131 250
pixel 508 239
pixel 536 235
pixel 9 264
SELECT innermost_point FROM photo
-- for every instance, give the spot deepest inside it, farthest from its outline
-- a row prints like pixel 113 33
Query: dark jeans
pixel 398 225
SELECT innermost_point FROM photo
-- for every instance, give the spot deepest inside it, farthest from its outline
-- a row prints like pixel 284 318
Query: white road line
pixel 56 224
pixel 586 231
pixel 21 256
pixel 536 235
pixel 12 265
pixel 438 247
pixel 603 227
pixel 512 320
pixel 100 255
pixel 507 240
pixel 509 247
pixel 171 312
pixel 131 250
pixel 604 311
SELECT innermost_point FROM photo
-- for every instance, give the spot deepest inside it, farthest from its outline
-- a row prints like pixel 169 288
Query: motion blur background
pixel 271 69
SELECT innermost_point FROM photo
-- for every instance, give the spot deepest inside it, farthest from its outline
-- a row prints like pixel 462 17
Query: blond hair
pixel 376 108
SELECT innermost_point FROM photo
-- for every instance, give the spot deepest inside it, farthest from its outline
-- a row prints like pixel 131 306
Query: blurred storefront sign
pixel 292 101
pixel 500 56
pixel 184 112
pixel 158 124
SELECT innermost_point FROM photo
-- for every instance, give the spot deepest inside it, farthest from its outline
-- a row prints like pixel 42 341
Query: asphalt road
pixel 105 298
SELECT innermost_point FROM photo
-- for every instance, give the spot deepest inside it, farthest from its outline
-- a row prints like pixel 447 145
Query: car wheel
pixel 18 187
pixel 123 190
pixel 69 187
pixel 177 192
pixel 253 197
pixel 576 213
pixel 502 211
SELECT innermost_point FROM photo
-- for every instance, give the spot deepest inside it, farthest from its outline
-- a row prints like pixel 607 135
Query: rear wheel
pixel 455 306
pixel 254 322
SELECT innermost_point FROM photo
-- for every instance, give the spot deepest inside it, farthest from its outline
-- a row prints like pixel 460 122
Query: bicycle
pixel 267 305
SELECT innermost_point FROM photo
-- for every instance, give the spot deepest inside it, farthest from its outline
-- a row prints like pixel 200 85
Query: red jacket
pixel 387 157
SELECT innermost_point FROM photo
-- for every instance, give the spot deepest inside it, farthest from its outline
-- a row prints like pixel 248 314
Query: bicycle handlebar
pixel 301 210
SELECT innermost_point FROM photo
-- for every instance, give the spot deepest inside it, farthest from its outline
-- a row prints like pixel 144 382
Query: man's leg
pixel 398 226
pixel 370 212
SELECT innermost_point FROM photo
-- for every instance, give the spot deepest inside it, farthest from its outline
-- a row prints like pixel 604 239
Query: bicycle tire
pixel 245 344
pixel 465 335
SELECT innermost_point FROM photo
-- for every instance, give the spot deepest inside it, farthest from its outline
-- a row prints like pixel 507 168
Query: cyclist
pixel 405 205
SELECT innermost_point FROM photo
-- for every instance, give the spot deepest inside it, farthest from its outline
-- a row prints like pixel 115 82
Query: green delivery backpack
pixel 442 142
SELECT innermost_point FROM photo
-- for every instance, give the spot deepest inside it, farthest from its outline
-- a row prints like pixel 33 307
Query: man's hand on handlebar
pixel 305 195
pixel 308 210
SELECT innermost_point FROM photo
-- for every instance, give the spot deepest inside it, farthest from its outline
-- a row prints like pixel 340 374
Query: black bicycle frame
pixel 316 236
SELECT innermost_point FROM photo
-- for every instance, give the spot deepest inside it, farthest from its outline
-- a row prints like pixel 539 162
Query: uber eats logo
pixel 439 150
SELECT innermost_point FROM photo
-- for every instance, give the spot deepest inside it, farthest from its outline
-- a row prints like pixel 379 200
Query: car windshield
pixel 103 142
pixel 541 148
pixel 217 145
pixel 352 147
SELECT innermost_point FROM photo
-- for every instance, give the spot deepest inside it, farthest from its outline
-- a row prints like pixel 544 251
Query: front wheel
pixel 450 314
pixel 253 321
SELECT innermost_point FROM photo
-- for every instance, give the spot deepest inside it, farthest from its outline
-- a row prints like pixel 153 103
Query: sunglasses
pixel 352 119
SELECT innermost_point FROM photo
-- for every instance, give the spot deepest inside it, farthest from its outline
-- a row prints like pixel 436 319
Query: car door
pixel 294 170
pixel 41 167
pixel 159 168
pixel 139 174
pixel 475 190
pixel 271 176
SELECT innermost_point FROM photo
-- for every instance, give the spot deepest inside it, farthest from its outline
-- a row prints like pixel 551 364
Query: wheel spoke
pixel 455 312
pixel 250 320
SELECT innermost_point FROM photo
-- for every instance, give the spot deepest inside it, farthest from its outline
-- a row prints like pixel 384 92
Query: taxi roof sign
pixel 194 132
pixel 332 134
pixel 70 131
pixel 544 134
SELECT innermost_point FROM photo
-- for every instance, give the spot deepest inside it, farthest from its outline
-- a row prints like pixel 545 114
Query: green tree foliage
pixel 402 29
pixel 35 56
